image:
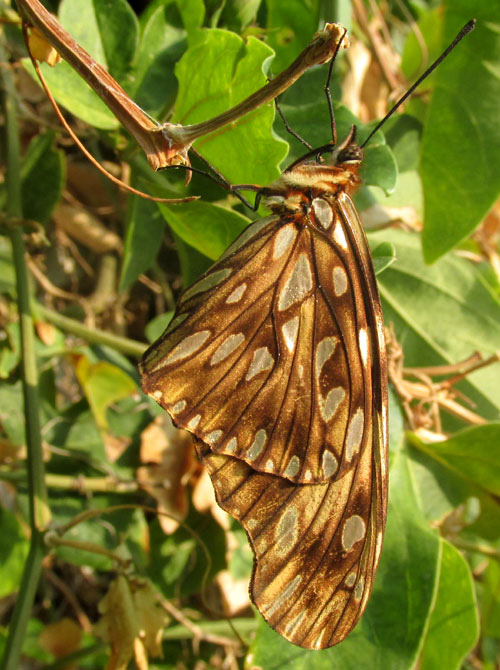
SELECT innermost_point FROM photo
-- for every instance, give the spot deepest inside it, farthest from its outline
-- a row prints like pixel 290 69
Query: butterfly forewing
pixel 275 362
pixel 265 362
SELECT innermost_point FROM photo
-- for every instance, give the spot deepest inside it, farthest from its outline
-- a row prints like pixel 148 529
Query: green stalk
pixel 39 510
pixel 91 335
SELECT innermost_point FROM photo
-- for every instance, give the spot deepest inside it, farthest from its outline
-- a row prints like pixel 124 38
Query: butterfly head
pixel 311 176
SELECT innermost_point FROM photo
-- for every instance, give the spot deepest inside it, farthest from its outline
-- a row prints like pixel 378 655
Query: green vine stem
pixel 91 335
pixel 39 510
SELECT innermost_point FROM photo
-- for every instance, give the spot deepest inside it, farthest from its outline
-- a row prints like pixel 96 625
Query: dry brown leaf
pixel 132 622
pixel 46 332
pixel 168 453
pixel 203 498
pixel 61 639
pixel 235 597
pixel 115 446
pixel 42 50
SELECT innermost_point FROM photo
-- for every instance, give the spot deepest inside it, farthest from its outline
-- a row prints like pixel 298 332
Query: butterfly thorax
pixel 304 182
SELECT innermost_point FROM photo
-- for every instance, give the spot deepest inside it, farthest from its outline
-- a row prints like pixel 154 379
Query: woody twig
pixel 168 144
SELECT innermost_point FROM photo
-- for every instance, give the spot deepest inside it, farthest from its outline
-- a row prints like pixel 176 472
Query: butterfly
pixel 275 362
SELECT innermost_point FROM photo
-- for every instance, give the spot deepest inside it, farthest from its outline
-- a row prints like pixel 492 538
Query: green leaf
pixel 157 326
pixel 216 73
pixel 108 531
pixel 43 176
pixel 162 43
pixel 442 490
pixel 474 453
pixel 76 431
pixel 193 13
pixel 490 602
pixel 7 276
pixel 291 26
pixel 103 384
pixel 114 19
pixel 143 237
pixel 383 256
pixel 460 162
pixel 183 563
pixel 84 22
pixel 391 631
pixel 442 314
pixel 14 547
pixel 453 626
pixel 206 227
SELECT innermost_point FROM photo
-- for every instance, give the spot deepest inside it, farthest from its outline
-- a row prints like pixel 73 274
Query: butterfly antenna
pixel 327 88
pixel 465 31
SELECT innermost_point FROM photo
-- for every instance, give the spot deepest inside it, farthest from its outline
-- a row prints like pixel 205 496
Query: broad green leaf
pixel 162 43
pixel 103 384
pixel 206 227
pixel 215 74
pixel 490 602
pixel 184 562
pixel 117 532
pixel 383 256
pixel 453 626
pixel 43 175
pixel 14 547
pixel 442 314
pixel 474 453
pixel 76 431
pixel 391 631
pixel 441 491
pixel 291 26
pixel 99 27
pixel 460 163
pixel 193 262
pixel 193 13
pixel 157 326
pixel 7 276
pixel 114 20
pixel 143 237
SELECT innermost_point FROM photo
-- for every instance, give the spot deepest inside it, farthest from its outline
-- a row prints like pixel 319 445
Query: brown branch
pixel 168 144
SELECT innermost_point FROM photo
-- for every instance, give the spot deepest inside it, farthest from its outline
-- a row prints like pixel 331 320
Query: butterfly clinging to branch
pixel 275 362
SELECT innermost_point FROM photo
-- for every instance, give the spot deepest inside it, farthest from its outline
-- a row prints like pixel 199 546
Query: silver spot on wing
pixel 257 445
pixel 284 239
pixel 230 344
pixel 339 281
pixel 237 294
pixel 186 347
pixel 290 330
pixel 298 284
pixel 262 360
pixel 323 212
pixel 355 434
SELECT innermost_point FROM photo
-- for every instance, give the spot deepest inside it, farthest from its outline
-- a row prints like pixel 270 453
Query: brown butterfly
pixel 275 361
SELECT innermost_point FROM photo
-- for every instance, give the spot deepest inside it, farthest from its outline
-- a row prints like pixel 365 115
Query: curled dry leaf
pixel 168 456
pixel 42 50
pixel 132 622
pixel 235 597
pixel 46 332
pixel 61 638
pixel 204 500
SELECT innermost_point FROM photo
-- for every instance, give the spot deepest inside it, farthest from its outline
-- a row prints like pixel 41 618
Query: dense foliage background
pixel 86 459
